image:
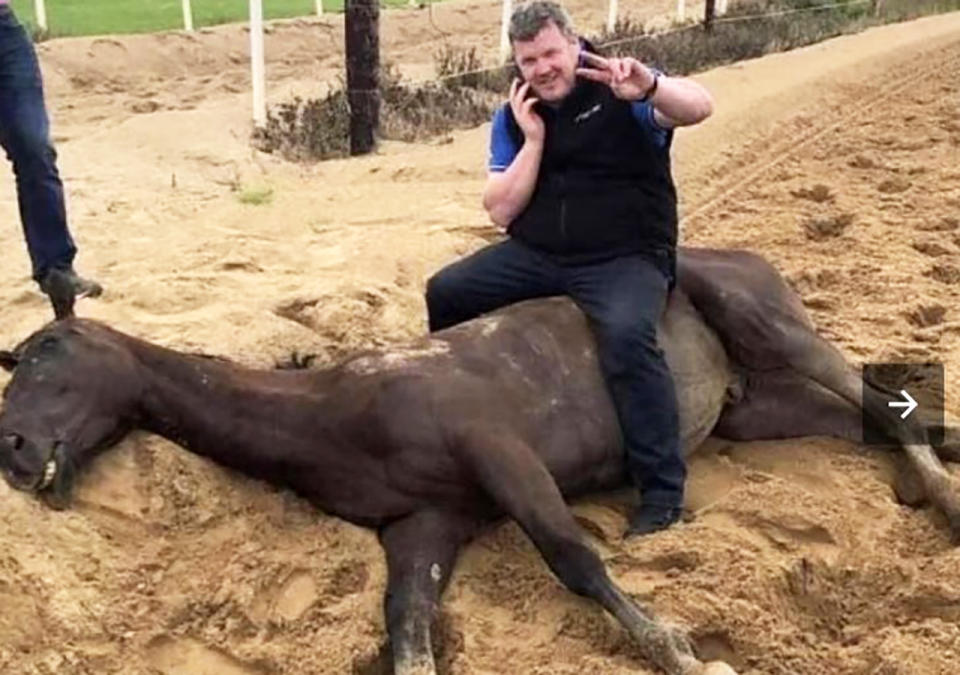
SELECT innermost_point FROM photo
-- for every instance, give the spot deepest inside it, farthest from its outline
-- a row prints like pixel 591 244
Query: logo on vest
pixel 586 114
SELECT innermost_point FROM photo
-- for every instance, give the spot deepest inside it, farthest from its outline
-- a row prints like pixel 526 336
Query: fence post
pixel 362 38
pixel 612 16
pixel 319 4
pixel 41 12
pixel 256 63
pixel 681 11
pixel 721 7
pixel 877 7
pixel 187 16
pixel 708 14
pixel 505 30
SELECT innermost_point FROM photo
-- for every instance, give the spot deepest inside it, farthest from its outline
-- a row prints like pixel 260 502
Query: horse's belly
pixel 702 373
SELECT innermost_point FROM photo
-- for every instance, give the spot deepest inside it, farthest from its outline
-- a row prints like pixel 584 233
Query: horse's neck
pixel 236 416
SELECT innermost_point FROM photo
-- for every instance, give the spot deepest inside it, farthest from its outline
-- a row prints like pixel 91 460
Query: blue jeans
pixel 623 298
pixel 25 136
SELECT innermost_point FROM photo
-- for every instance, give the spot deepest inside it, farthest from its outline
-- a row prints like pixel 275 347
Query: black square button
pixel 912 398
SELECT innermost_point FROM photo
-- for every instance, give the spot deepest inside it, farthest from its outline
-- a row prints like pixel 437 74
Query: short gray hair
pixel 530 18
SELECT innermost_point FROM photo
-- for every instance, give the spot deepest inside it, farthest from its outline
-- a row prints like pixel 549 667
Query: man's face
pixel 548 62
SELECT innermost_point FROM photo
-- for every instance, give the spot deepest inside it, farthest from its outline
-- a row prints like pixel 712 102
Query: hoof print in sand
pixel 925 316
pixel 893 186
pixel 183 656
pixel 931 248
pixel 820 229
pixel 945 274
pixel 818 193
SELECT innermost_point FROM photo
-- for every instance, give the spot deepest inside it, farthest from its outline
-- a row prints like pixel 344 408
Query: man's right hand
pixel 530 123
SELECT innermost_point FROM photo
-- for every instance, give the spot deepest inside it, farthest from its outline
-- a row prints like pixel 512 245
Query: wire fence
pixel 606 44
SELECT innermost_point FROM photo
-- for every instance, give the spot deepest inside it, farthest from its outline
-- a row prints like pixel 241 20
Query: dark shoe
pixel 57 278
pixel 650 518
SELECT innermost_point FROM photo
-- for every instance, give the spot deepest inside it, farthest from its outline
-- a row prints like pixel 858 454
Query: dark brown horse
pixel 503 416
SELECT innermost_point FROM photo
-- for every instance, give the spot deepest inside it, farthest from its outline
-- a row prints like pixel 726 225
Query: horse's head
pixel 73 392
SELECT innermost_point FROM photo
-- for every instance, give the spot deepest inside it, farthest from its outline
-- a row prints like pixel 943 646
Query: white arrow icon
pixel 909 404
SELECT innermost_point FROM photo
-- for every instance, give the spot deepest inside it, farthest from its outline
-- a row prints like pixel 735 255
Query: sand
pixel 838 162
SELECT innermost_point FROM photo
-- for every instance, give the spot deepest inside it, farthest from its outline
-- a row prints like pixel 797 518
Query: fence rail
pixel 714 13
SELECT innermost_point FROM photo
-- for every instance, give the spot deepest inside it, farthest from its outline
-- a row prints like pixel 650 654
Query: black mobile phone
pixel 515 74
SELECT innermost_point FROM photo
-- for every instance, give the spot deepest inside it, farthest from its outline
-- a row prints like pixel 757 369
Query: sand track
pixel 838 162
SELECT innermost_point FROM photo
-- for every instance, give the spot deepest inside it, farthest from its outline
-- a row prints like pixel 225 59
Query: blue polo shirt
pixel 503 150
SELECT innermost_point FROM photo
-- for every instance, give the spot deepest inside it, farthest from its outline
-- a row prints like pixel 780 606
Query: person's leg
pixel 25 136
pixel 493 277
pixel 624 299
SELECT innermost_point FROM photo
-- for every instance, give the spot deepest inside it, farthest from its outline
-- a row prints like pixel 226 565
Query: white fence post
pixel 256 63
pixel 319 4
pixel 721 7
pixel 612 16
pixel 41 11
pixel 187 16
pixel 681 13
pixel 505 29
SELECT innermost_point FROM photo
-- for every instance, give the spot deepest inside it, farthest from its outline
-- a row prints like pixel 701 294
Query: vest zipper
pixel 563 219
pixel 562 180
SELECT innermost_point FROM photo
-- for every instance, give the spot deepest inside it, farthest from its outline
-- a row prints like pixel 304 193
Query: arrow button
pixel 905 402
pixel 908 404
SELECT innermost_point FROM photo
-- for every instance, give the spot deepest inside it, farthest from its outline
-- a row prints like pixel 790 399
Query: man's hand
pixel 530 123
pixel 629 79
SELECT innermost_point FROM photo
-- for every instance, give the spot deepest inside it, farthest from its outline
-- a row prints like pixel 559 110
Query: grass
pixel 103 17
pixel 256 196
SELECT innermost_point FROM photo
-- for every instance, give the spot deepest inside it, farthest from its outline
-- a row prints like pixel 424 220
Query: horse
pixel 503 416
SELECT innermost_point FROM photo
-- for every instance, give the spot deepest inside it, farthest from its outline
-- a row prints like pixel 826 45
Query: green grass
pixel 103 17
pixel 256 196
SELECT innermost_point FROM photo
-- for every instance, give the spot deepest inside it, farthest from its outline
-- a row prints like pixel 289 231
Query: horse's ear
pixel 8 360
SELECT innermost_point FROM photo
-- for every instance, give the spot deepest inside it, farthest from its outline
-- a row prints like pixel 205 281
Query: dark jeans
pixel 623 298
pixel 25 136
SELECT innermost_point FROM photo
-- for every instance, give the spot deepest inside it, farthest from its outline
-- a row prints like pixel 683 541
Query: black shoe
pixel 57 278
pixel 650 518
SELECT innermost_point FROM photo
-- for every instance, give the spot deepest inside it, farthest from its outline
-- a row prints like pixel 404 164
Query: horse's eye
pixel 49 343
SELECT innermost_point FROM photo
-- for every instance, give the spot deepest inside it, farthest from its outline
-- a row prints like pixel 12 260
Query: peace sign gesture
pixel 629 79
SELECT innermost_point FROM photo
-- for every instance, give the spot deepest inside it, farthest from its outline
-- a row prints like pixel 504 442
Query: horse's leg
pixel 783 404
pixel 421 550
pixel 517 480
pixel 949 451
pixel 764 327
pixel 817 359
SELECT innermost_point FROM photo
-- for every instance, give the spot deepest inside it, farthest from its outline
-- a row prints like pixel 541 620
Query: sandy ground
pixel 838 162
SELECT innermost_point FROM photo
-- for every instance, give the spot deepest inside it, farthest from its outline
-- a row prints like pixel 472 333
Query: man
pixel 580 178
pixel 25 136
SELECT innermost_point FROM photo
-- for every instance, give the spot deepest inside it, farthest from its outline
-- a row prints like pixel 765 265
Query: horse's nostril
pixel 15 441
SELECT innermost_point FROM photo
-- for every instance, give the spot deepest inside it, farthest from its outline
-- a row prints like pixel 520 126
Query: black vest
pixel 603 188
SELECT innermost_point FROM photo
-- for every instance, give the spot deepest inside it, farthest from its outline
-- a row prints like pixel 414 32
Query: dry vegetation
pixel 465 94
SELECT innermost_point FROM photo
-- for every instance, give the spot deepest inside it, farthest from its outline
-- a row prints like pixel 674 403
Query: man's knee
pixel 29 149
pixel 441 287
pixel 628 330
pixel 444 289
pixel 629 348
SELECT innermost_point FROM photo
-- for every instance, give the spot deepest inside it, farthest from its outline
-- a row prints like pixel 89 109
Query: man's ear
pixel 8 360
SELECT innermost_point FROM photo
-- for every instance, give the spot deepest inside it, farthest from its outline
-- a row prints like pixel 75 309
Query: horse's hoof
pixel 694 667
pixel 954 522
pixel 716 668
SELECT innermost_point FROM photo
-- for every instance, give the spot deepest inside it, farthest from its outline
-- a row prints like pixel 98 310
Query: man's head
pixel 545 48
